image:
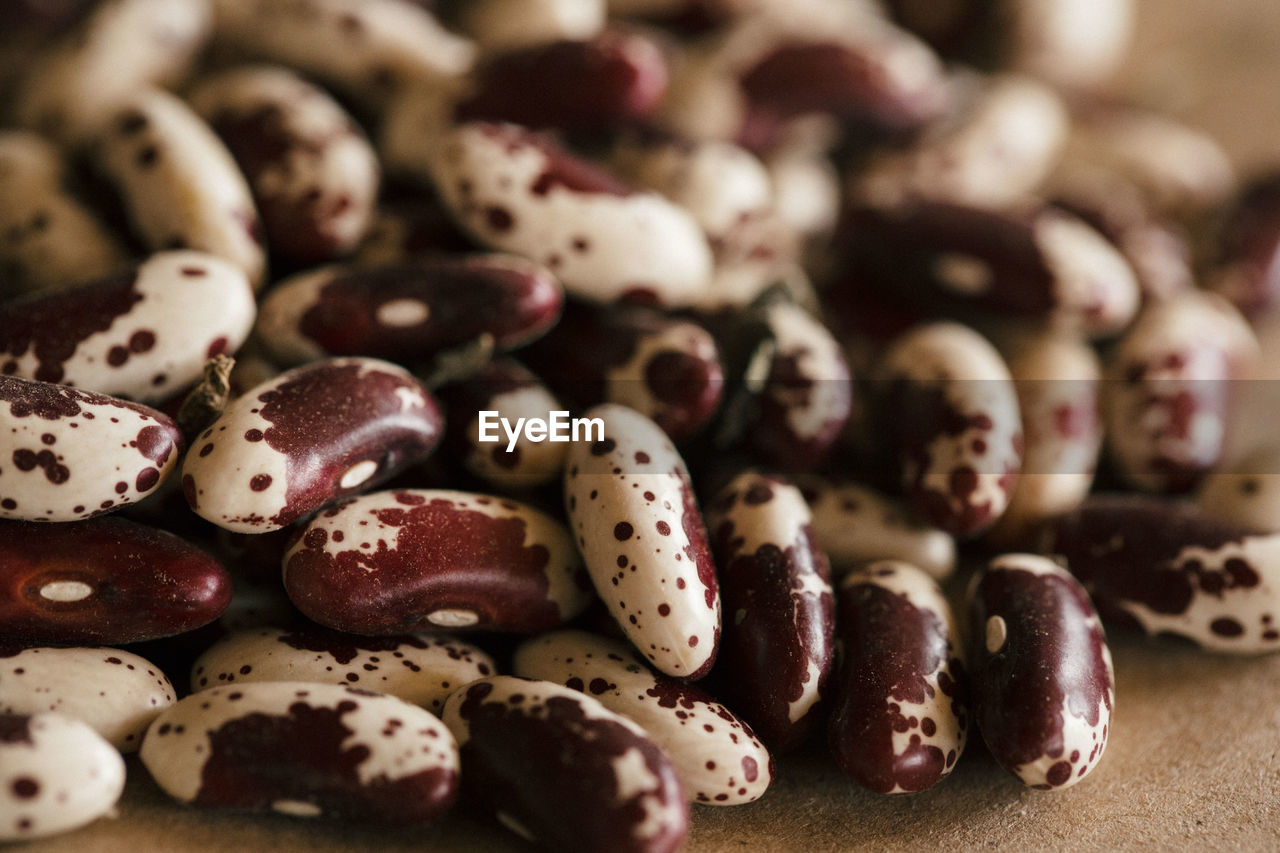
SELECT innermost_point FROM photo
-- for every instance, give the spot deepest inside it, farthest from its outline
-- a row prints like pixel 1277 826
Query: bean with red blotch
pixel 408 312
pixel 1042 681
pixel 1157 250
pixel 72 454
pixel 143 333
pixel 768 69
pixel 1034 262
pixel 106 580
pixel 1246 493
pixel 1247 254
pixel 1167 401
pixel 306 438
pixel 59 775
pixel 560 769
pixel 612 80
pixel 52 240
pixel 632 507
pixel 900 718
pixel 519 192
pixel 776 652
pixel 122 47
pixel 114 691
pixel 419 669
pixel 856 525
pixel 425 559
pixel 959 432
pixel 718 757
pixel 179 184
pixel 313 174
pixel 507 25
pixel 1058 385
pixel 306 750
pixel 1167 568
pixel 665 368
pixel 368 49
pixel 506 387
pixel 807 397
pixel 991 153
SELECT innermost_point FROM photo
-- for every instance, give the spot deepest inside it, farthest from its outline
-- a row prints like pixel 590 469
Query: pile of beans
pixel 847 294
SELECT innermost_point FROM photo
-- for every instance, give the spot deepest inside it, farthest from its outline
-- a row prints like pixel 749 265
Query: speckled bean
pixel 418 669
pixel 1166 568
pixel 144 333
pixel 107 580
pixel 408 312
pixel 1033 262
pixel 115 692
pixel 958 433
pixel 506 387
pixel 1043 685
pixel 1247 249
pixel 715 752
pixel 776 650
pixel 70 454
pixel 179 185
pixel 856 524
pixel 667 369
pixel 125 45
pixel 559 768
pixel 506 25
pixel 421 559
pixel 1246 493
pixel 1168 398
pixel 306 750
pixel 521 193
pixel 306 438
pixel 900 717
pixel 313 174
pixel 645 547
pixel 58 775
pixel 52 240
pixel 369 49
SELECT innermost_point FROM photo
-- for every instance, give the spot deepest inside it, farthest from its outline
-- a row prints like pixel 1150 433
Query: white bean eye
pixel 453 618
pixel 402 312
pixel 66 591
pixel 997 633
pixel 358 473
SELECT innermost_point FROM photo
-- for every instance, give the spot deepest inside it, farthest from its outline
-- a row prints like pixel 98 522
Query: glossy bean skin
pixel 123 46
pixel 1024 262
pixel 518 192
pixel 368 49
pixel 716 753
pixel 107 581
pixel 114 691
pixel 180 187
pixel 646 548
pixel 504 26
pixel 1168 398
pixel 900 717
pixel 665 368
pixel 559 768
pixel 313 174
pixel 63 775
pixel 408 312
pixel 143 333
pixel 308 437
pixel 418 669
pixel 508 388
pixel 52 239
pixel 613 80
pixel 1167 568
pixel 306 750
pixel 436 560
pixel 1043 684
pixel 73 454
pixel 777 647
pixel 960 433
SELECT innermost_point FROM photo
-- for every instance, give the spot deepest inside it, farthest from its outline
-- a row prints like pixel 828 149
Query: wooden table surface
pixel 1194 758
